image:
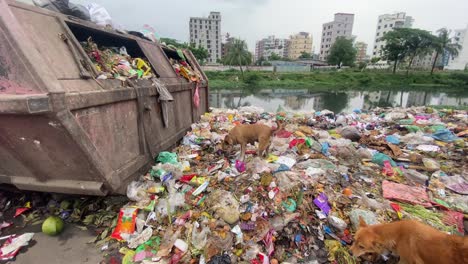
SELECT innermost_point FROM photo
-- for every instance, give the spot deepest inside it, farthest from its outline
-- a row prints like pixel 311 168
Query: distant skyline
pixel 253 20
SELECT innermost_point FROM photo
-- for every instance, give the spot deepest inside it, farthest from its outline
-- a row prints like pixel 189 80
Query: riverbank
pixel 343 80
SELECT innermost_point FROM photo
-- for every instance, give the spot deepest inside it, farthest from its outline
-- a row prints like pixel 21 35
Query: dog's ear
pixel 362 223
pixel 228 140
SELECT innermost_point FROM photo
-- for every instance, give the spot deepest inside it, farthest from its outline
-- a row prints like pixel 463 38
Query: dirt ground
pixel 70 247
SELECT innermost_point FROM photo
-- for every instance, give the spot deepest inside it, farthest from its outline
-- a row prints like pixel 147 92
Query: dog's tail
pixel 279 126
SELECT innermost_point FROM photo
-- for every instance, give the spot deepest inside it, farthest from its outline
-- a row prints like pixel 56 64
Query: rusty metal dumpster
pixel 63 131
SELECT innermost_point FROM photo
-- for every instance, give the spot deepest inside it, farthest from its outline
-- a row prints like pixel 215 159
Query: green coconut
pixel 52 226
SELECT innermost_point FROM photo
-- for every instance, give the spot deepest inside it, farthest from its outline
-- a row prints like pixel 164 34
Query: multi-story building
pixel 361 48
pixel 459 62
pixel 226 44
pixel 264 48
pixel 206 32
pixel 388 22
pixel 299 43
pixel 425 62
pixel 341 26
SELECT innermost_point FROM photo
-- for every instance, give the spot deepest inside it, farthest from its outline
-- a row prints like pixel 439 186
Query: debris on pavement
pixel 299 204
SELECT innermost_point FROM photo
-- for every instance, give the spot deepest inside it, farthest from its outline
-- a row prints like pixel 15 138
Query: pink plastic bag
pixel 196 97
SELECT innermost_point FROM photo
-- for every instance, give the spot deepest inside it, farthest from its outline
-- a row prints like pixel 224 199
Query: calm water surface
pixel 307 100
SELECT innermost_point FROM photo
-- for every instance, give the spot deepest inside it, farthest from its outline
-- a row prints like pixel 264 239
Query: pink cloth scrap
pixel 453 218
pixel 405 193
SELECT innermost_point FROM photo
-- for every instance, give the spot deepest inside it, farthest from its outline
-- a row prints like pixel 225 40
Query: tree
pixel 238 54
pixel 443 44
pixel 375 60
pixel 342 53
pixel 305 55
pixel 274 56
pixel 418 43
pixel 200 53
pixel 395 48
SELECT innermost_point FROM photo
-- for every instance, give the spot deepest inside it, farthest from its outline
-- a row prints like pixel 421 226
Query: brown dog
pixel 413 241
pixel 245 134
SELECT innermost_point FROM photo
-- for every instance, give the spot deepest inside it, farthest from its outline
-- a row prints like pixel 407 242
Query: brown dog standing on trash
pixel 413 241
pixel 251 133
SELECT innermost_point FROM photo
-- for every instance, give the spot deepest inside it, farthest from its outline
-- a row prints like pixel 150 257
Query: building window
pixel 344 32
pixel 375 46
pixel 338 32
pixel 391 25
pixel 380 20
pixel 324 28
pixel 328 27
pixel 385 26
pixel 378 27
pixel 200 26
pixel 378 34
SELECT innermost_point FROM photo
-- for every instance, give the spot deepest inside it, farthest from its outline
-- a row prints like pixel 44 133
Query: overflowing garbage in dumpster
pixel 300 204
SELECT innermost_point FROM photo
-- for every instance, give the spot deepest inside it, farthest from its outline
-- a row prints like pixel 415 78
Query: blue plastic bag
pixel 392 139
pixel 444 135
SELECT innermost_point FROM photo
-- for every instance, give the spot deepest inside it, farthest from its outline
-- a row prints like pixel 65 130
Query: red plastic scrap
pixel 405 193
pixel 296 142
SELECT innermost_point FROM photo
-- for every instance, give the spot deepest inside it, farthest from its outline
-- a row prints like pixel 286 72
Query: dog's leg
pixel 242 155
pixel 262 146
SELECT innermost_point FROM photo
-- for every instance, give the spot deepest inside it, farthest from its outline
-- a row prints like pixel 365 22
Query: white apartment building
pixel 459 62
pixel 269 45
pixel 341 26
pixel 206 32
pixel 388 22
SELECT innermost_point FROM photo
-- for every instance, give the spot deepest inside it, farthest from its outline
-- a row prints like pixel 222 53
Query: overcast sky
pixel 255 19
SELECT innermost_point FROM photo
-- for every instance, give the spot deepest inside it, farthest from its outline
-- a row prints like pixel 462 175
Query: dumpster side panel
pixel 113 129
pixel 43 147
pixel 14 77
pixel 43 30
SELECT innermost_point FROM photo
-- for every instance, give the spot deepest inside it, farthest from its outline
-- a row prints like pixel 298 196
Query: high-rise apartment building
pixel 459 62
pixel 361 48
pixel 388 22
pixel 341 26
pixel 299 43
pixel 264 48
pixel 206 32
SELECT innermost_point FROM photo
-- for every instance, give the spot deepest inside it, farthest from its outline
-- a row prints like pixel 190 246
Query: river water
pixel 337 101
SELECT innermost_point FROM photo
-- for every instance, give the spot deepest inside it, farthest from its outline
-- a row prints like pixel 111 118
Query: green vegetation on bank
pixel 343 80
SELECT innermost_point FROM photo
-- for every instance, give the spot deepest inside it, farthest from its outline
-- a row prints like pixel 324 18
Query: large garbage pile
pixel 300 204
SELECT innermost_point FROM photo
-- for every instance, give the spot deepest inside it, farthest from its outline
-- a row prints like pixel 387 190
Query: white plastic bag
pixel 99 15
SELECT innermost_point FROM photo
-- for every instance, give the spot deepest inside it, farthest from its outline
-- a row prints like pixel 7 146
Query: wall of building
pixel 299 43
pixel 361 48
pixel 386 23
pixel 206 32
pixel 341 26
pixel 460 62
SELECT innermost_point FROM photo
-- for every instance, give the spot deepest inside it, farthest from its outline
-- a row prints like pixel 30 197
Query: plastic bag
pixel 351 133
pixel 199 238
pixel 431 164
pixel 379 159
pixel 167 157
pixel 99 15
pixel 444 135
pixel 392 139
pixel 367 216
pixel 125 223
pixel 337 223
pixel 224 205
pixel 415 176
pixel 136 191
